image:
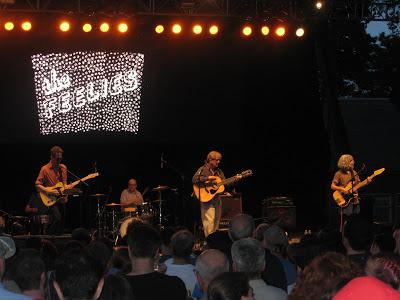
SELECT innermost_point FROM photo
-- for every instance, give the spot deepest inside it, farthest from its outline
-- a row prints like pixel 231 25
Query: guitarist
pixel 210 211
pixel 342 178
pixel 51 174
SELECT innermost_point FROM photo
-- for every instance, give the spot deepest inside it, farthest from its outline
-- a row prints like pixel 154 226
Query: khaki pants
pixel 210 215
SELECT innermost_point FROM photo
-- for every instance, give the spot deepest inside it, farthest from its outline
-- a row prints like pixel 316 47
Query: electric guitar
pixel 343 200
pixel 216 186
pixel 51 199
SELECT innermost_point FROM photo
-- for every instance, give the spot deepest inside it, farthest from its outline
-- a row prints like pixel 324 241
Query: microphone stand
pixel 80 202
pixel 182 177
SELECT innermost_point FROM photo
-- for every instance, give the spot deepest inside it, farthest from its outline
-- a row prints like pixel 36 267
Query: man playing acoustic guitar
pixel 51 174
pixel 208 173
pixel 345 175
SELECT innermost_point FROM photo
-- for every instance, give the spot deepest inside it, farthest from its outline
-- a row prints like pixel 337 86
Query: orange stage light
pixel 197 29
pixel 280 31
pixel 213 29
pixel 176 28
pixel 26 26
pixel 247 30
pixel 64 26
pixel 122 27
pixel 104 27
pixel 159 29
pixel 9 26
pixel 265 30
pixel 87 27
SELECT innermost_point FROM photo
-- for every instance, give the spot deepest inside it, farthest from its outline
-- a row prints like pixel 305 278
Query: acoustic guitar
pixel 216 186
pixel 343 200
pixel 50 199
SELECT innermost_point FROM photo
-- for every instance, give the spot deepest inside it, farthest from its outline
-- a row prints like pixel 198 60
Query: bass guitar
pixel 51 199
pixel 216 186
pixel 343 200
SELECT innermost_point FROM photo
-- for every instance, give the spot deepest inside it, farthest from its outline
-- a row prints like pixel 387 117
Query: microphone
pixel 162 160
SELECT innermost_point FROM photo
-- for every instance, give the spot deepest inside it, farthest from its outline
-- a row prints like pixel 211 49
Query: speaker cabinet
pixel 283 216
pixel 231 205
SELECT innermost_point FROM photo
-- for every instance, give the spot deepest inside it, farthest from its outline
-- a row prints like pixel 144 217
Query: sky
pixel 375 28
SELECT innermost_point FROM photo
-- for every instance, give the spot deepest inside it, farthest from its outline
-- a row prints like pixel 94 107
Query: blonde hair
pixel 213 155
pixel 344 162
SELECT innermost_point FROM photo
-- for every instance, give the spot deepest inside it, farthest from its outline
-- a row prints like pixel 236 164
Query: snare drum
pixel 123 229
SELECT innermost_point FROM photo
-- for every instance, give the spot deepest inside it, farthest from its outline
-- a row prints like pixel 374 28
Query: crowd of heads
pixel 232 265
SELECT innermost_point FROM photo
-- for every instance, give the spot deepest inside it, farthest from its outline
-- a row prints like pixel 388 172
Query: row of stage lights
pixel 176 28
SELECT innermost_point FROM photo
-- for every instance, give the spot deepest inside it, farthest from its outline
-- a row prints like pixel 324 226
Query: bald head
pixel 209 264
pixel 132 185
pixel 241 226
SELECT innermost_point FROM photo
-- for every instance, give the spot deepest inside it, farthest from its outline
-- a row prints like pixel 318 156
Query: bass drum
pixel 124 223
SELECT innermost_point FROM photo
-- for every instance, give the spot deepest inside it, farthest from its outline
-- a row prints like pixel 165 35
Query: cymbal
pixel 115 204
pixel 98 195
pixel 160 188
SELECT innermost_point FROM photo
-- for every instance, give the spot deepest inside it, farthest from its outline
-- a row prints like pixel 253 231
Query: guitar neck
pixel 227 181
pixel 363 183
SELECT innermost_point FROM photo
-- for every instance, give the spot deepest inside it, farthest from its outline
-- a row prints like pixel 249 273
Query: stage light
pixel 26 26
pixel 87 27
pixel 64 26
pixel 247 30
pixel 213 29
pixel 280 31
pixel 122 27
pixel 159 29
pixel 299 32
pixel 176 28
pixel 9 26
pixel 318 5
pixel 104 27
pixel 265 30
pixel 197 29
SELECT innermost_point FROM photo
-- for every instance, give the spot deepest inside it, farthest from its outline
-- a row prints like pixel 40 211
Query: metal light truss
pixel 383 10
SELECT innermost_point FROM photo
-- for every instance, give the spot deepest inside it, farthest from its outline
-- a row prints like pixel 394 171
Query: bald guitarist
pixel 51 174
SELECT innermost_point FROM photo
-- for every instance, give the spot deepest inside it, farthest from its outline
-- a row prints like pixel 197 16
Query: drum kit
pixel 112 219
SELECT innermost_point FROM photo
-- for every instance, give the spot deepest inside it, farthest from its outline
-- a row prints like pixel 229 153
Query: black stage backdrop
pixel 256 101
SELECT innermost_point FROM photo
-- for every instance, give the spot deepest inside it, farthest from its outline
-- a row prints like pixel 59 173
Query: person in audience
pixel 260 229
pixel 367 287
pixel 357 238
pixel 241 226
pixel 100 252
pixel 321 278
pixel 144 247
pixel 116 287
pixel 277 241
pixel 230 286
pixel 120 262
pixel 386 267
pixel 78 275
pixel 221 241
pixel 383 242
pixel 82 235
pixel 303 252
pixel 179 265
pixel 248 256
pixel 209 264
pixel 7 250
pixel 166 250
pixel 29 273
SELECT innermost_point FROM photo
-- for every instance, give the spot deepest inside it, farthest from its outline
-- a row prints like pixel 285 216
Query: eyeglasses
pixel 217 159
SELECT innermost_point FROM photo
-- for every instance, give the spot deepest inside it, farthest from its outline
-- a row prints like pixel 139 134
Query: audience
pixel 144 247
pixel 386 267
pixel 78 275
pixel 179 265
pixel 7 250
pixel 248 256
pixel 116 287
pixel 230 286
pixel 324 276
pixel 357 239
pixel 209 264
pixel 241 226
pixel 29 273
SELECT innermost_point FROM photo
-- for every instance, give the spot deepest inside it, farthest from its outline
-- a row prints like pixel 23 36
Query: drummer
pixel 131 198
